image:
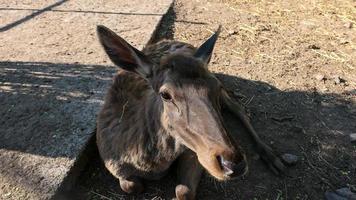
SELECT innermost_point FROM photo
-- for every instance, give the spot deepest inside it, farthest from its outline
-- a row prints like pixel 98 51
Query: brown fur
pixel 139 135
pixel 129 125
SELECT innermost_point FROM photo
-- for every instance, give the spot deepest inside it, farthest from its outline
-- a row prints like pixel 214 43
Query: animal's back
pixel 156 51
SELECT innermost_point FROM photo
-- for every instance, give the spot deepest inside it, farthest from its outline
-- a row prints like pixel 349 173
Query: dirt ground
pixel 53 77
pixel 292 64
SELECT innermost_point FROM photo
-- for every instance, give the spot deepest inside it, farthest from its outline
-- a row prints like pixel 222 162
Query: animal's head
pixel 191 98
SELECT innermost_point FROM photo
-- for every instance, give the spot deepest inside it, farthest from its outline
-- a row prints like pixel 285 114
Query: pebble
pixel 313 46
pixel 324 89
pixel 320 77
pixel 232 32
pixel 341 194
pixel 353 137
pixel 333 196
pixel 349 25
pixel 289 159
pixel 256 157
pixel 346 192
pixel 7 194
pixel 338 80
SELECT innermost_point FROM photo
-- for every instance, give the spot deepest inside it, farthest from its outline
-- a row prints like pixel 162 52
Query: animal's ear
pixel 123 54
pixel 206 49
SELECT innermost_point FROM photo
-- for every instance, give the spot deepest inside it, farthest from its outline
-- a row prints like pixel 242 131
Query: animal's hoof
pixel 273 162
pixel 184 193
pixel 131 185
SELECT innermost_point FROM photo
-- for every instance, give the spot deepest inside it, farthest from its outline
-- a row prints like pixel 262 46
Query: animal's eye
pixel 165 96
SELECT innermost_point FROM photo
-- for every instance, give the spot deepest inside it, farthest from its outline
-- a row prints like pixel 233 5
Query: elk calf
pixel 165 105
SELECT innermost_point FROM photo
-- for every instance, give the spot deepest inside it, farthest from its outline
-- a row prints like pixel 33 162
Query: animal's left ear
pixel 206 49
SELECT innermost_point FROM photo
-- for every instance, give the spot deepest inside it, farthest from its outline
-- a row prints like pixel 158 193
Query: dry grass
pixel 287 36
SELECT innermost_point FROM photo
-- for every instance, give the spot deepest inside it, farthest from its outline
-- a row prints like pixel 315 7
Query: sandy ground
pixel 53 76
pixel 292 64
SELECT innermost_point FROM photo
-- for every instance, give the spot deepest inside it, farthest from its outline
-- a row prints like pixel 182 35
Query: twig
pixel 123 111
pixel 324 180
pixel 249 101
pixel 100 195
pixel 330 165
pixel 117 195
pixel 261 187
pixel 282 119
pixel 285 188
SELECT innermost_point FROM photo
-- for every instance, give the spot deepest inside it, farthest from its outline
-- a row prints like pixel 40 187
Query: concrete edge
pixel 71 177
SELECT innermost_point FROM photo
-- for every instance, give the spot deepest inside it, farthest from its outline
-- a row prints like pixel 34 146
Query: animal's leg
pixel 131 185
pixel 265 152
pixel 189 174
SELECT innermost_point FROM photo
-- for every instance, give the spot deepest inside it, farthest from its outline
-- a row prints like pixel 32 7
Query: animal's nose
pixel 231 169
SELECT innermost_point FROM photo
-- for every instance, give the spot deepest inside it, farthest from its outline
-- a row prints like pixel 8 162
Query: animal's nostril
pixel 219 159
pixel 225 165
pixel 231 169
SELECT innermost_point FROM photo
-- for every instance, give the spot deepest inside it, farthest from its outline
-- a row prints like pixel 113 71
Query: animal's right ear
pixel 123 54
pixel 205 51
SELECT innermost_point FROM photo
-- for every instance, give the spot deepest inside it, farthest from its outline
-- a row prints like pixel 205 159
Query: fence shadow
pixel 50 8
pixel 46 107
pixel 31 16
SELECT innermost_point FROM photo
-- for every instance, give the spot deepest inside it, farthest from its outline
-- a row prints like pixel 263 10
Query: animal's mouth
pixel 222 168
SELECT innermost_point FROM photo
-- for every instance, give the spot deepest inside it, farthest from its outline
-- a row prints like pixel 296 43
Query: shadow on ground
pixel 312 125
pixel 37 101
pixel 46 103
pixel 47 114
pixel 309 124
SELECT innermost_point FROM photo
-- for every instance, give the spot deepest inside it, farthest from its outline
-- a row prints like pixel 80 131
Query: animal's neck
pixel 154 108
pixel 159 137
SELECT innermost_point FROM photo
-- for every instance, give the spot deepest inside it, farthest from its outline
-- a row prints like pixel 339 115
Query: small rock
pixel 338 80
pixel 346 192
pixel 349 25
pixel 344 42
pixel 232 32
pixel 353 137
pixel 7 194
pixel 313 46
pixel 333 196
pixel 320 77
pixel 324 89
pixel 256 157
pixel 325 104
pixel 289 159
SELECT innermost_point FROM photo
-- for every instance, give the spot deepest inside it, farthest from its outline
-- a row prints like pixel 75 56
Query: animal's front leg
pixel 265 152
pixel 189 174
pixel 131 185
